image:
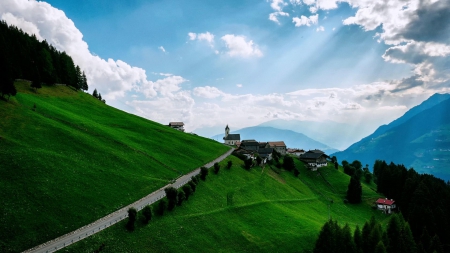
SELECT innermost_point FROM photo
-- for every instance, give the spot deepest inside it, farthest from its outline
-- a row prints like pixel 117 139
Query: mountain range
pixel 419 139
pixel 291 139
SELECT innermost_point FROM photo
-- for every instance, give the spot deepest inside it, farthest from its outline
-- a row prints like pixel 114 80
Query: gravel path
pixel 113 218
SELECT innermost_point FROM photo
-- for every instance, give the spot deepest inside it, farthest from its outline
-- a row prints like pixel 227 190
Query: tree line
pixel 373 238
pixel 24 57
pixel 423 199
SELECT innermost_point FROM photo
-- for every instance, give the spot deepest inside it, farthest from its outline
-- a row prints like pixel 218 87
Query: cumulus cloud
pixel 207 92
pixel 162 49
pixel 274 16
pixel 208 37
pixel 238 46
pixel 277 5
pixel 305 21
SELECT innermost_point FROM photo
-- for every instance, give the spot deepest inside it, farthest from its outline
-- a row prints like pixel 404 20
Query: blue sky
pixel 212 63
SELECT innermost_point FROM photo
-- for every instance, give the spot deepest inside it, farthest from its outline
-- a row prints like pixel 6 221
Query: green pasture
pixel 73 159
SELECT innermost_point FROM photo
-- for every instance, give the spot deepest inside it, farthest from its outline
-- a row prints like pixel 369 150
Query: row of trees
pixel 173 198
pixel 24 57
pixel 396 238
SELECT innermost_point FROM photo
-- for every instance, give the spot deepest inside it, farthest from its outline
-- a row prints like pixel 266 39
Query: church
pixel 231 139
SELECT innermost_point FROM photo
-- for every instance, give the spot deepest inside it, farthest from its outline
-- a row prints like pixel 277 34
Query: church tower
pixel 227 131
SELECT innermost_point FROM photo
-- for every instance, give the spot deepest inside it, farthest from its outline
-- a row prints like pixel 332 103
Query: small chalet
pixel 296 152
pixel 386 205
pixel 265 153
pixel 250 145
pixel 231 139
pixel 314 158
pixel 279 146
pixel 177 125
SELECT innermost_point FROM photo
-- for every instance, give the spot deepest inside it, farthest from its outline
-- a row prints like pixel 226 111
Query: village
pixel 254 150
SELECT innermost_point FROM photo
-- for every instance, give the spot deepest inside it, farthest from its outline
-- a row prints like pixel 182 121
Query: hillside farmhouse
pixel 177 125
pixel 296 152
pixel 231 139
pixel 279 146
pixel 386 205
pixel 314 158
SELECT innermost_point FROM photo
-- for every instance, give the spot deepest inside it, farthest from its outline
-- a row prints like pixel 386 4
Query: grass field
pixel 270 212
pixel 75 159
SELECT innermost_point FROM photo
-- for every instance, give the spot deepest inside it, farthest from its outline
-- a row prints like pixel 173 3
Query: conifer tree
pixel 95 93
pixel 380 248
pixel 354 191
pixel 357 238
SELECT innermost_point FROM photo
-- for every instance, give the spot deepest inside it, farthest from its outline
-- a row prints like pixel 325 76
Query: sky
pixel 245 62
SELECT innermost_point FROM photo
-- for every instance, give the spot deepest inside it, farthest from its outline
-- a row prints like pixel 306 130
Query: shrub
pixel 132 213
pixel 296 172
pixel 192 185
pixel 171 194
pixel 147 213
pixel 248 163
pixel 161 207
pixel 203 173
pixel 229 164
pixel 216 168
pixel 187 189
pixel 181 197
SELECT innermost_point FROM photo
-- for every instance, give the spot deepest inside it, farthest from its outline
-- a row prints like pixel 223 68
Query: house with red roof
pixel 386 204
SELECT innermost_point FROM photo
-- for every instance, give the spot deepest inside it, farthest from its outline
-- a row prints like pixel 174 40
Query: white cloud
pixel 207 92
pixel 192 36
pixel 208 37
pixel 303 20
pixel 26 26
pixel 162 49
pixel 296 2
pixel 238 46
pixel 274 16
pixel 320 29
pixel 239 85
pixel 277 5
pixel 113 78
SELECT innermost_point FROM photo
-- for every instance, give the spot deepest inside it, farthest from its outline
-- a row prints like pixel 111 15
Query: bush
pixel 161 207
pixel 181 197
pixel 216 168
pixel 192 185
pixel 171 194
pixel 288 163
pixel 203 173
pixel 187 189
pixel 132 213
pixel 248 163
pixel 147 213
pixel 296 172
pixel 229 164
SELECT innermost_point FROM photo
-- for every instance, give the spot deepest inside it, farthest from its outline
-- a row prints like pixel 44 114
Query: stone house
pixel 177 125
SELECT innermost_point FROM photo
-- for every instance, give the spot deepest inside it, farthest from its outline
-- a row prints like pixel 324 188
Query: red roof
pixel 387 202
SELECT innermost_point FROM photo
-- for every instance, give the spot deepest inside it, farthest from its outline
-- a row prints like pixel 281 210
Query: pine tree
pixel 380 248
pixel 84 85
pixel 357 238
pixel 95 94
pixel 347 244
pixel 354 191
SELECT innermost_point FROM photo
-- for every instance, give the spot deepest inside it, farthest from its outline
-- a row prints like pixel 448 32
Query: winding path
pixel 113 218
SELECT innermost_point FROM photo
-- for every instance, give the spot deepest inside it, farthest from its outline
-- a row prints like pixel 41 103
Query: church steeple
pixel 227 131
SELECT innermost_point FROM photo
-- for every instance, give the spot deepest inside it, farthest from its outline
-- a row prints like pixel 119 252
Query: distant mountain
pixel 419 139
pixel 324 132
pixel 291 138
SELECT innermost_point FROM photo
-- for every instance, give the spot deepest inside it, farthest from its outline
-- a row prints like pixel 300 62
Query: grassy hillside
pixel 75 159
pixel 270 212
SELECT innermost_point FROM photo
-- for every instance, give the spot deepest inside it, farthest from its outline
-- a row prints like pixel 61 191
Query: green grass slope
pixel 270 212
pixel 75 159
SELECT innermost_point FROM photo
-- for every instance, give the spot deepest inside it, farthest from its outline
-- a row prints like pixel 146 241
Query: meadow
pixel 270 210
pixel 67 159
